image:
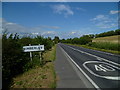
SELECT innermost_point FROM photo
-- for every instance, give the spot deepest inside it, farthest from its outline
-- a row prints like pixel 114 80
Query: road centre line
pixel 95 56
pixel 92 82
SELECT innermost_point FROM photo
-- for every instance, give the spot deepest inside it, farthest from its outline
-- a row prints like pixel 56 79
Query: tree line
pixel 109 33
pixel 88 38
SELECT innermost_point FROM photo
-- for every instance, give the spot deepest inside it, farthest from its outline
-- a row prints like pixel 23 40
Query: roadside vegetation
pixel 15 62
pixel 39 77
pixel 107 41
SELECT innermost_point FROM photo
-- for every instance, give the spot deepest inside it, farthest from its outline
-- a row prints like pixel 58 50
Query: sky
pixel 63 19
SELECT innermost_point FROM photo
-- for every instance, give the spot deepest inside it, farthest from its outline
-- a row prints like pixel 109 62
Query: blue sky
pixel 63 19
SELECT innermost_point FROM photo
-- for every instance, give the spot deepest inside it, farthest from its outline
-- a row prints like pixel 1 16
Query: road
pixel 101 69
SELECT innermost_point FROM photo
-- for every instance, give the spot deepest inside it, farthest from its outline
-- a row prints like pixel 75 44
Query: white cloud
pixel 103 25
pixel 41 30
pixel 81 9
pixel 10 23
pixel 63 9
pixel 13 27
pixel 114 12
pixel 73 32
pixel 48 33
pixel 99 18
pixel 104 21
pixel 16 28
pixel 35 33
pixel 49 27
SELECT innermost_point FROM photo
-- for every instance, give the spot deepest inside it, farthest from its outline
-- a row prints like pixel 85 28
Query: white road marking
pixel 93 83
pixel 107 77
pixel 100 67
pixel 95 56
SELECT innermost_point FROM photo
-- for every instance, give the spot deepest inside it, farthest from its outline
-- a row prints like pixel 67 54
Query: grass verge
pixel 39 77
pixel 104 50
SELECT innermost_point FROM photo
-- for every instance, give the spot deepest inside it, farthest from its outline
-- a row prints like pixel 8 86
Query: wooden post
pixel 30 54
pixel 40 56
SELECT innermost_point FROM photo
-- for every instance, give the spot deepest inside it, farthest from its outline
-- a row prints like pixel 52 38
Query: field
pixel 109 44
pixel 111 39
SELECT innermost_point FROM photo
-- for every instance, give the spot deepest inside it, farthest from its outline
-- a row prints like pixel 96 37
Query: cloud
pixel 63 9
pixel 48 33
pixel 10 23
pixel 114 12
pixel 49 27
pixel 13 27
pixel 99 18
pixel 73 32
pixel 21 30
pixel 42 30
pixel 103 25
pixel 105 21
pixel 35 33
pixel 81 9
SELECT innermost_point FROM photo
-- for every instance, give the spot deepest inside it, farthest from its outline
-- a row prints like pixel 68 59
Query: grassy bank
pixel 39 77
pixel 105 45
pixel 111 39
pixel 99 49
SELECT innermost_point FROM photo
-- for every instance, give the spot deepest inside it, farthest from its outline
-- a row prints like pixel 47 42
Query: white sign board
pixel 33 48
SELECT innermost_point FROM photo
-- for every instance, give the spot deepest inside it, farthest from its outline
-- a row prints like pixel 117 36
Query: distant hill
pixel 112 39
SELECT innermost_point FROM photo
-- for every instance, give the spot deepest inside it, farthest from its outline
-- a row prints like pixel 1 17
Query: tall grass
pixel 105 45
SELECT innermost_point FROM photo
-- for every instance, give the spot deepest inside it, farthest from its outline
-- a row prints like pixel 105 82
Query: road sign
pixel 33 48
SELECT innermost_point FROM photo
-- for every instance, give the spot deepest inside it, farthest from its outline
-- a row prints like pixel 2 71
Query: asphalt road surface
pixel 101 69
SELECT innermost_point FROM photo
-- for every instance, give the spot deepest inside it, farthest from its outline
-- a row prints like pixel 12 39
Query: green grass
pixel 99 49
pixel 105 45
pixel 39 77
pixel 51 56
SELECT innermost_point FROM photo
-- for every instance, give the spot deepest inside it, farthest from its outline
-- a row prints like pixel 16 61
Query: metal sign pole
pixel 30 53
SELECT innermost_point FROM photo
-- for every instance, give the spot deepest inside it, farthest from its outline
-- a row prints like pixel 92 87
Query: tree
pixel 56 39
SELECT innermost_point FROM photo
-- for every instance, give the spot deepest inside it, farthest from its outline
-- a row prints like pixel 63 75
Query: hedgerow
pixel 14 60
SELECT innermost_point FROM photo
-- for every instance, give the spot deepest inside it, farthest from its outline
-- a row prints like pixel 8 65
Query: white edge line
pixel 93 83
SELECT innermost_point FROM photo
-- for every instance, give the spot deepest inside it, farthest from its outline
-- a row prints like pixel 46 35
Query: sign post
pixel 30 54
pixel 33 49
pixel 40 56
